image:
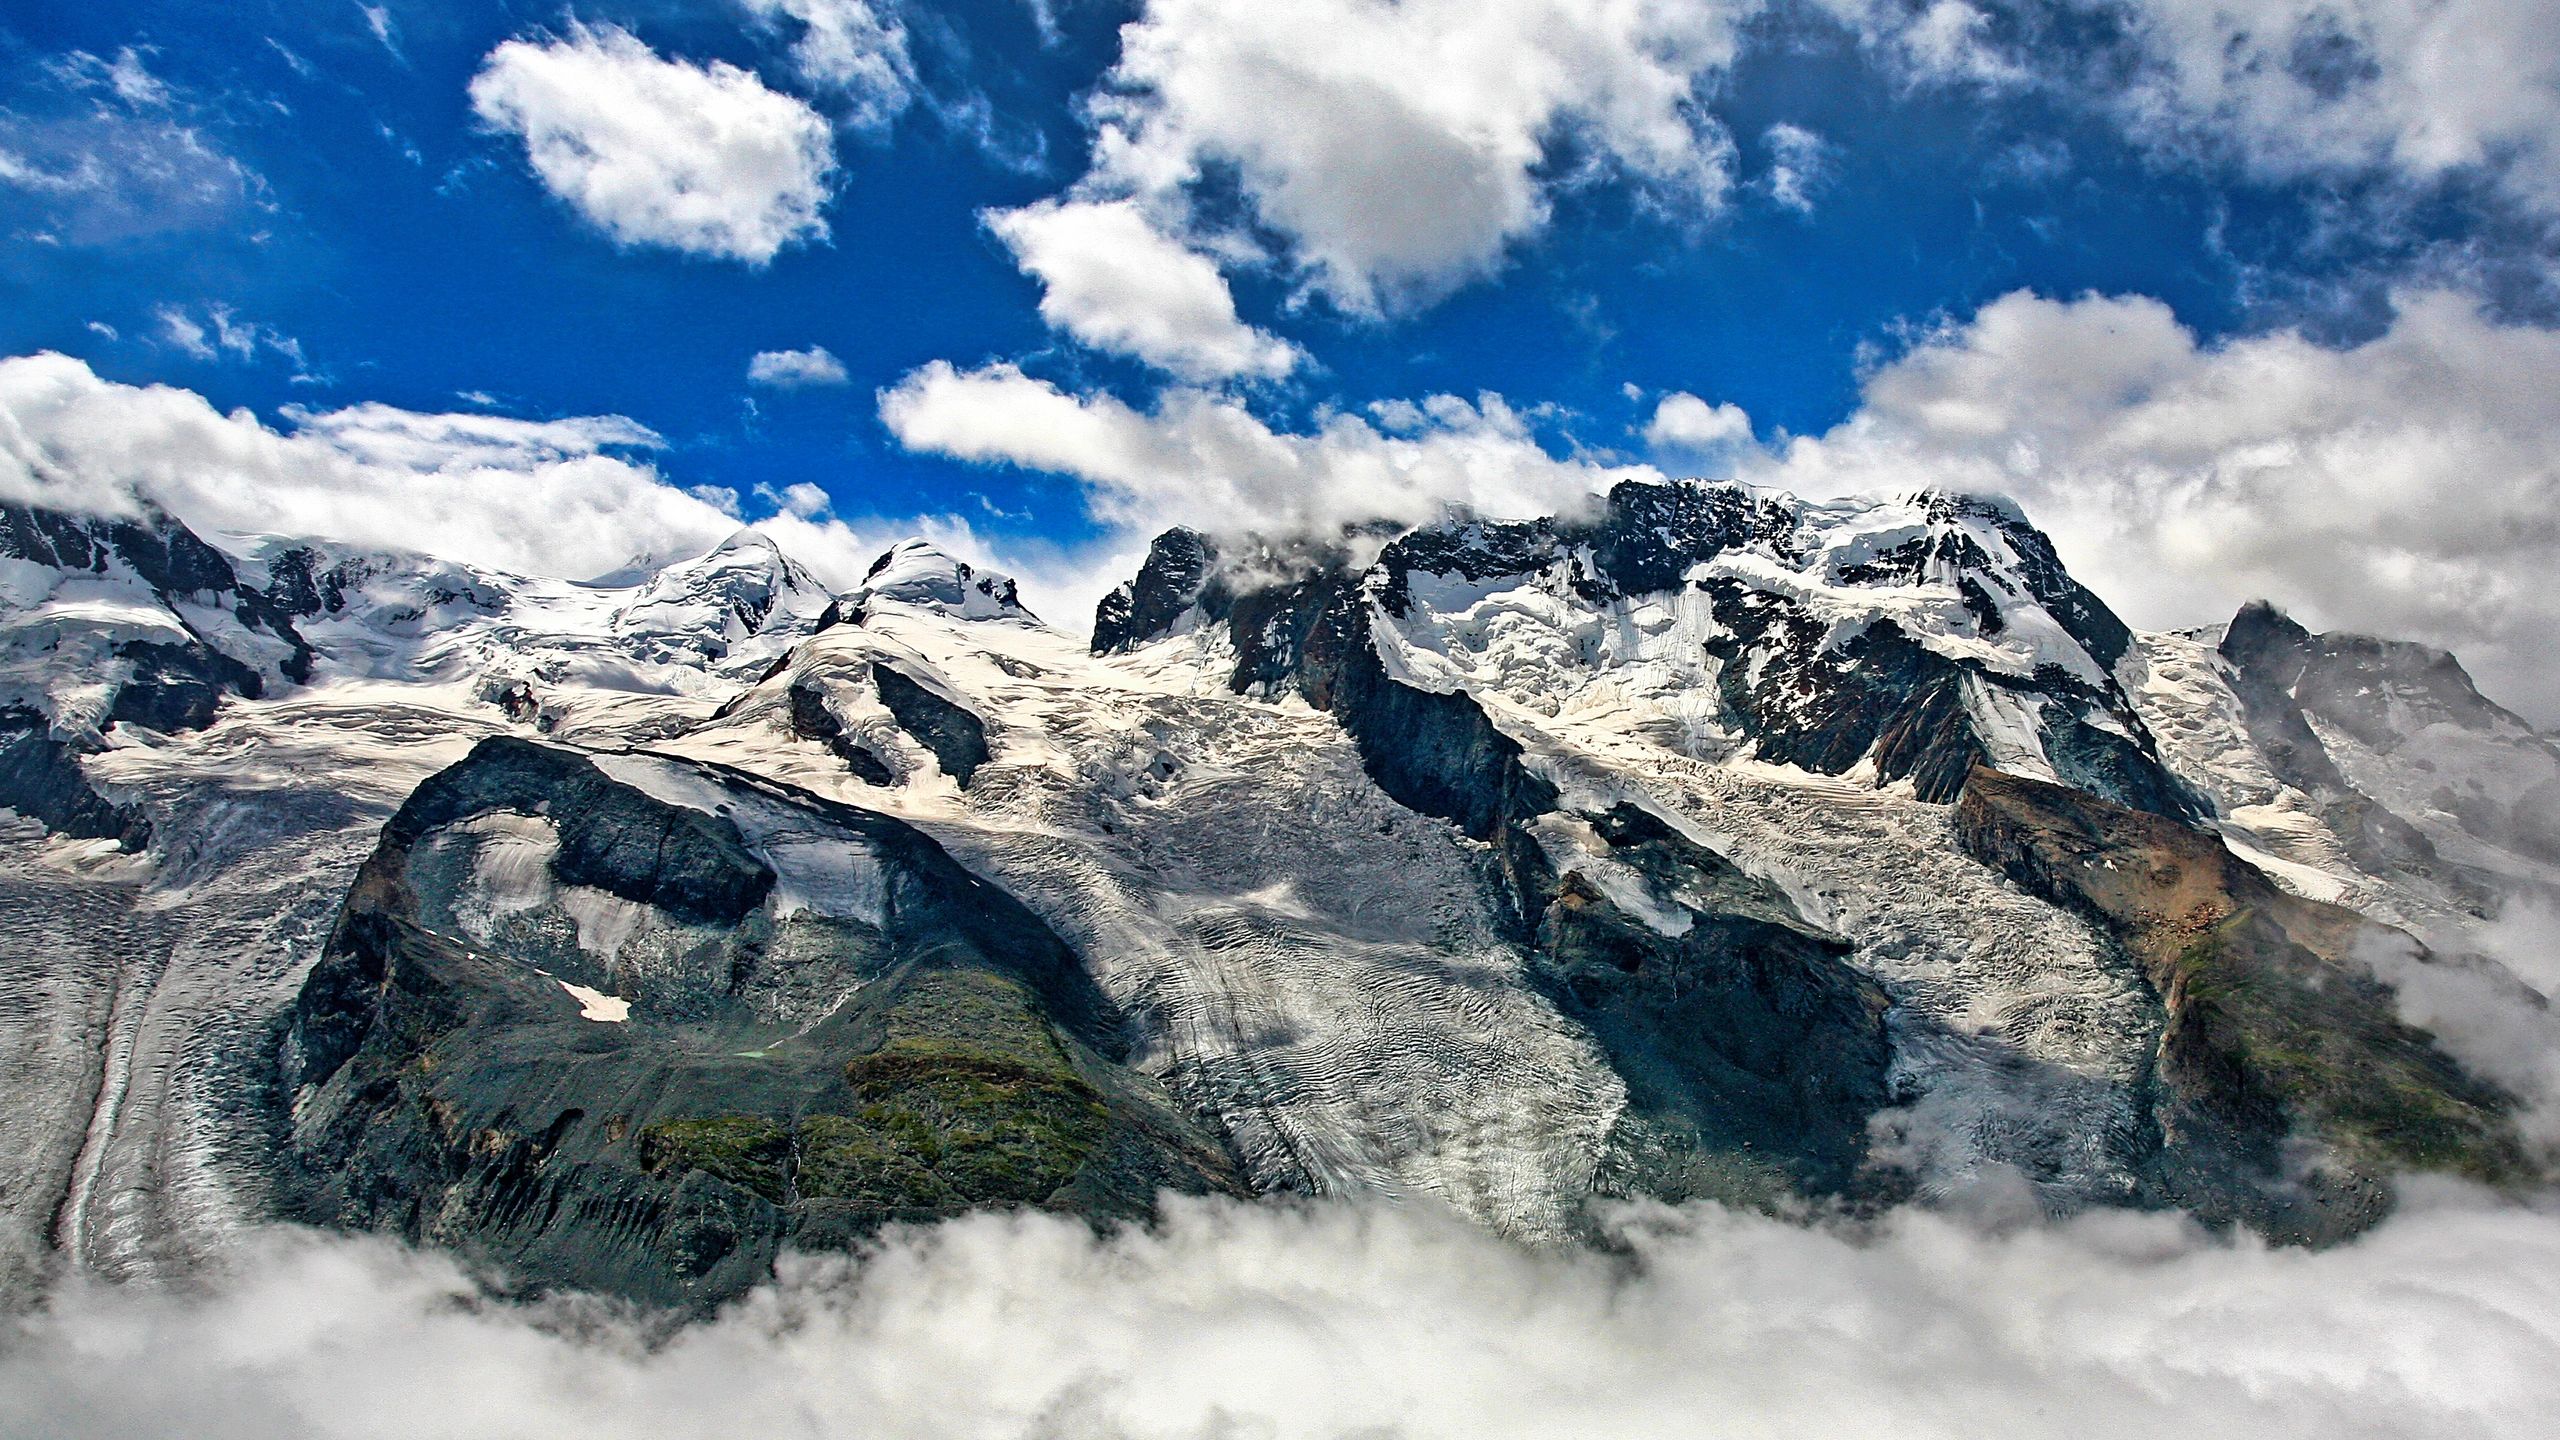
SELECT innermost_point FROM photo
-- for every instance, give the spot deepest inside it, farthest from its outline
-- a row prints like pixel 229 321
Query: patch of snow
pixel 1574 848
pixel 596 1005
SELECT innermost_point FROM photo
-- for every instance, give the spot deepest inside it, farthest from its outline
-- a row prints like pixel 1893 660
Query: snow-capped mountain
pixel 1711 843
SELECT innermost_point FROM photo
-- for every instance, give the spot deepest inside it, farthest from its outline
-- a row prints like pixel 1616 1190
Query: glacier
pixel 1507 866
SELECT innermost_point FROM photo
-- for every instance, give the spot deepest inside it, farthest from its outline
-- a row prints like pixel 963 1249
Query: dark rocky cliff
pixel 156 684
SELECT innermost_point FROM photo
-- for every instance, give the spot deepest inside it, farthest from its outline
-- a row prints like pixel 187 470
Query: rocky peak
pixel 2380 689
pixel 2267 642
pixel 1191 581
pixel 2398 751
pixel 153 547
pixel 1652 533
pixel 1175 577
pixel 142 604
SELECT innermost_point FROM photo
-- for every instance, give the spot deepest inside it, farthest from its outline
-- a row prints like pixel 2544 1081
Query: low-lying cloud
pixel 1204 459
pixel 2483 1005
pixel 560 497
pixel 570 497
pixel 1231 1320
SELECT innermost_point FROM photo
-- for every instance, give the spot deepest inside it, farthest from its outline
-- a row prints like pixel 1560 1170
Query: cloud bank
pixel 1338 1321
pixel 1203 459
pixel 571 497
pixel 702 159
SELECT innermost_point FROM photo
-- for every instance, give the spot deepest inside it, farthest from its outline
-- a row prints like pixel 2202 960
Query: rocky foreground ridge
pixel 1713 844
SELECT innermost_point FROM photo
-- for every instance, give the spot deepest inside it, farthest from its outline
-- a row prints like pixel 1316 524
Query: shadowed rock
pixel 41 779
pixel 1754 1054
pixel 812 720
pixel 957 738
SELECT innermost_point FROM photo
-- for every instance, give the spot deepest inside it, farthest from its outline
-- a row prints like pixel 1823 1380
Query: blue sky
pixel 301 206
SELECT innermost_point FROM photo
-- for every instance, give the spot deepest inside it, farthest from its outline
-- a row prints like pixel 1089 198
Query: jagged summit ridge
pixel 1914 636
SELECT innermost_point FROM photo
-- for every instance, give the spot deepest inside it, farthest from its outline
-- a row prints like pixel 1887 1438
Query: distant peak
pixel 2261 622
pixel 632 572
pixel 1945 504
pixel 745 549
pixel 911 553
pixel 917 572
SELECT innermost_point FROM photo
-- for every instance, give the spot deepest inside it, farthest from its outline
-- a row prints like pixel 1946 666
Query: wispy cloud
pixel 796 369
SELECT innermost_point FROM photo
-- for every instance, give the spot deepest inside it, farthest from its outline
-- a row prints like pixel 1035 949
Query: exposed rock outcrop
pixel 957 738
pixel 632 1025
pixel 2287 1090
pixel 1753 1053
pixel 41 779
pixel 1809 671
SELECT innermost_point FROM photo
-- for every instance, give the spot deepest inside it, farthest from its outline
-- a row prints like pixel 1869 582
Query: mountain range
pixel 1705 844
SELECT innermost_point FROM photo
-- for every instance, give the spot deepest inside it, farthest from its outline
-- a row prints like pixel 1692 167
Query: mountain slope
pixel 1707 844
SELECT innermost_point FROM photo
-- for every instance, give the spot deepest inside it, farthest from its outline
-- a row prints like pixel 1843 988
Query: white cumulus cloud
pixel 1115 282
pixel 2421 90
pixel 2281 89
pixel 795 369
pixel 1399 148
pixel 1687 429
pixel 651 151
pixel 851 49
